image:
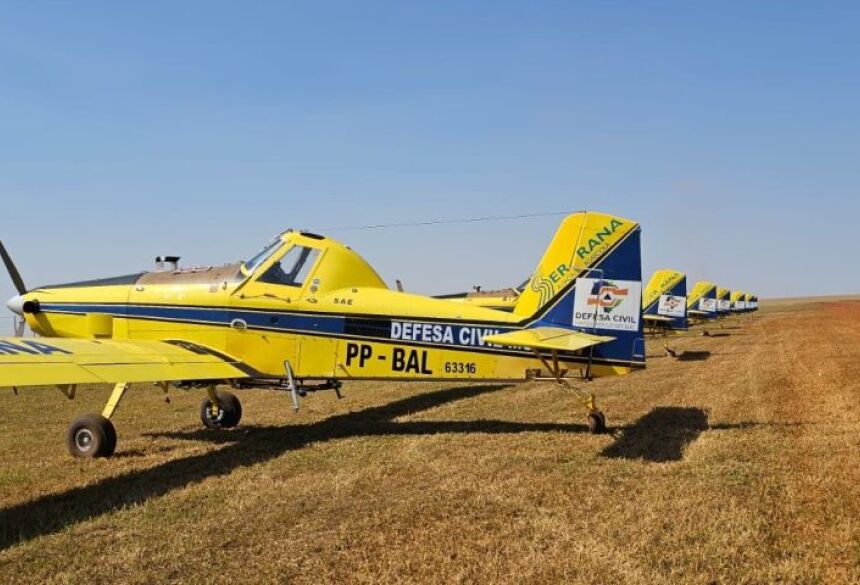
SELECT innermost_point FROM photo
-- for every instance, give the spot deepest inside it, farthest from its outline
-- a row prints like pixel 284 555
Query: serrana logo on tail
pixel 607 304
pixel 599 239
pixel 547 286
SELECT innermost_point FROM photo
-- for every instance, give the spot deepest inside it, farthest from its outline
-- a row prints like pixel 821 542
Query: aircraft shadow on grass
pixel 662 435
pixel 244 447
pixel 659 436
pixel 686 356
pixel 693 356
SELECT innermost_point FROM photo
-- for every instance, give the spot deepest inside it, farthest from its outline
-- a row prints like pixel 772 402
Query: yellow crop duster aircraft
pixel 724 303
pixel 309 309
pixel 751 302
pixel 702 302
pixel 664 302
pixel 504 299
pixel 739 301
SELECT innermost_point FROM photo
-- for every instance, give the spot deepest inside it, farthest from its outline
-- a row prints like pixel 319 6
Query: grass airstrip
pixel 739 462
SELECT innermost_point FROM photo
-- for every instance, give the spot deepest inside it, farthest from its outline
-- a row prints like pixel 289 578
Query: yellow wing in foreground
pixel 550 338
pixel 49 361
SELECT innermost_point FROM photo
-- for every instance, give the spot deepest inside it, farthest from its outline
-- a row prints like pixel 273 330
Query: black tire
pixel 229 412
pixel 91 435
pixel 596 423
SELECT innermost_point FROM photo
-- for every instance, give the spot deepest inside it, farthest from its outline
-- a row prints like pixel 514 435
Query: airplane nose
pixel 16 305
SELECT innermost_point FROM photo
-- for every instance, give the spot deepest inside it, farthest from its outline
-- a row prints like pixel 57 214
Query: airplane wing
pixel 550 338
pixel 657 318
pixel 54 361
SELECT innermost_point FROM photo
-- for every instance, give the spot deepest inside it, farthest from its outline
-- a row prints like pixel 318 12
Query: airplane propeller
pixel 18 282
pixel 12 270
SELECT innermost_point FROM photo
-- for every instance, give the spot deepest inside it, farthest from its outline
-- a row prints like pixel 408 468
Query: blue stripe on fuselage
pixel 468 336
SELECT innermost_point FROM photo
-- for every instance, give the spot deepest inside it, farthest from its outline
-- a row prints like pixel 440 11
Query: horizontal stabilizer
pixel 549 338
pixel 48 361
pixel 658 318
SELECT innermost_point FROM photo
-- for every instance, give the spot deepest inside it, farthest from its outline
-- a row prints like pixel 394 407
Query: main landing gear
pixel 93 435
pixel 220 410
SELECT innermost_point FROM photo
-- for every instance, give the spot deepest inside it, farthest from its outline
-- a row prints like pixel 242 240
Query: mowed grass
pixel 739 463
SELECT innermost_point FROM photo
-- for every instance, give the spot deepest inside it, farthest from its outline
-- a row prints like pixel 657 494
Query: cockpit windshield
pixel 263 255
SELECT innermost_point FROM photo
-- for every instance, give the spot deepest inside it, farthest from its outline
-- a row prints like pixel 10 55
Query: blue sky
pixel 729 130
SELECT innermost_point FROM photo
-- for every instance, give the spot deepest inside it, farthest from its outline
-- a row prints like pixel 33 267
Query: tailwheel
pixel 596 422
pixel 91 435
pixel 223 413
pixel 669 351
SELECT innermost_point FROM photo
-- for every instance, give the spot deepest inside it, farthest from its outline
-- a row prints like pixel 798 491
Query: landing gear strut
pixel 596 419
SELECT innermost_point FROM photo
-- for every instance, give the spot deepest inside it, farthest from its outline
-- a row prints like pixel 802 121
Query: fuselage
pixel 305 300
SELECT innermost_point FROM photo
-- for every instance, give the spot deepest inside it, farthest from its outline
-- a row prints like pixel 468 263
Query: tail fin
pixel 666 296
pixel 590 278
pixel 703 298
pixel 724 304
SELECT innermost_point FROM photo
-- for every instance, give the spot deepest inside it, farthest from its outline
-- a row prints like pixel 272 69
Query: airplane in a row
pixel 307 313
pixel 666 305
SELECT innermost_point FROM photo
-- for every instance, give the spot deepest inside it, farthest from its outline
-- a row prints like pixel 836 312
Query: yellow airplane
pixel 724 303
pixel 504 299
pixel 664 304
pixel 664 301
pixel 702 302
pixel 309 309
pixel 751 302
pixel 738 301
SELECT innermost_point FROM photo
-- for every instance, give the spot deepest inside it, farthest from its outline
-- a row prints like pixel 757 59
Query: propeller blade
pixel 13 271
pixel 19 327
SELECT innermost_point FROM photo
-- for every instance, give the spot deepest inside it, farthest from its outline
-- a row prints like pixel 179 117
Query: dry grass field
pixel 738 463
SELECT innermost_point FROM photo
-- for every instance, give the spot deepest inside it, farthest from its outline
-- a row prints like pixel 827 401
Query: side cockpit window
pixel 293 268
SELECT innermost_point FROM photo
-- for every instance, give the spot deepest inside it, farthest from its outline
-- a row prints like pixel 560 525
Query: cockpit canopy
pixel 310 262
pixel 254 262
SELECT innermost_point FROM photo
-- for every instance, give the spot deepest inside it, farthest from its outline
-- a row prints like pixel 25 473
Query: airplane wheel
pixel 229 413
pixel 596 423
pixel 91 435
